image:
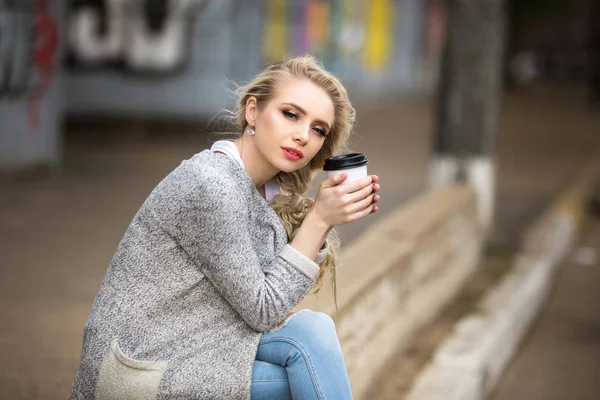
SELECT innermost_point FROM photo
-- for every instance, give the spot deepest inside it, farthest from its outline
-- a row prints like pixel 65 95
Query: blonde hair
pixel 291 206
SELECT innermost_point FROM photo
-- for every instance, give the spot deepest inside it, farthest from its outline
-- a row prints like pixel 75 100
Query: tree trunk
pixel 594 51
pixel 469 99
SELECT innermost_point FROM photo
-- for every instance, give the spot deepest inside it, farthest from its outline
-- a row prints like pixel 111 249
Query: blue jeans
pixel 303 360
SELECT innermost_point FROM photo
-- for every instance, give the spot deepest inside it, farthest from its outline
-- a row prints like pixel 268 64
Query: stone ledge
pixel 398 275
pixel 481 345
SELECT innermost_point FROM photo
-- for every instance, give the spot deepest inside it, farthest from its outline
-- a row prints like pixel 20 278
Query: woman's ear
pixel 251 110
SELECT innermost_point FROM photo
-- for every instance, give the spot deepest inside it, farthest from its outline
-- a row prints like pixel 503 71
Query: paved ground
pixel 560 359
pixel 59 233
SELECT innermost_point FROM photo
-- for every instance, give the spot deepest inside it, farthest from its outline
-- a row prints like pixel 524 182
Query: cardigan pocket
pixel 121 377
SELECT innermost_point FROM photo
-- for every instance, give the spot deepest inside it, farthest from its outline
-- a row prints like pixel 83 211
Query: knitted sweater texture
pixel 203 269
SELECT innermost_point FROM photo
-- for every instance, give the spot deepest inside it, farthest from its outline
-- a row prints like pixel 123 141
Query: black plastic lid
pixel 345 161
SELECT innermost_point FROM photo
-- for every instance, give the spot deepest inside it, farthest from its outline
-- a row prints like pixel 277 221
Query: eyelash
pixel 291 115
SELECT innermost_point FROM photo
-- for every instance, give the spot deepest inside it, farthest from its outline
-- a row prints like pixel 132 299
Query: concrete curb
pixel 397 276
pixel 468 364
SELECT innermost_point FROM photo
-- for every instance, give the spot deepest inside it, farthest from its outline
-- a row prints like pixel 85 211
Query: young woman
pixel 196 303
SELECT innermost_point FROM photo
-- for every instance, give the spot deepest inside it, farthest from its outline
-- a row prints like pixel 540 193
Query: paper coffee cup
pixel 354 164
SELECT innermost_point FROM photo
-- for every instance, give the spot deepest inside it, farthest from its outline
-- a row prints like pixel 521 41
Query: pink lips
pixel 292 153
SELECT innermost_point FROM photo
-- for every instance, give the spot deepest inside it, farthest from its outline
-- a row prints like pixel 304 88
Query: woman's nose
pixel 301 135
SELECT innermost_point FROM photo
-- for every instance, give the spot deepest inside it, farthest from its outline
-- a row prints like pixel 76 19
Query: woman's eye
pixel 320 131
pixel 290 115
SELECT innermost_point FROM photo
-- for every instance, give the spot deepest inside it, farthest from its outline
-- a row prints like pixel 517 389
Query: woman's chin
pixel 288 166
pixel 291 168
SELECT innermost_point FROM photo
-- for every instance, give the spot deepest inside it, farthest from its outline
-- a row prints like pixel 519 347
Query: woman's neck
pixel 257 167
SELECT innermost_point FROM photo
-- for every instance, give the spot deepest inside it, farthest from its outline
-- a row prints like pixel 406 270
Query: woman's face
pixel 291 128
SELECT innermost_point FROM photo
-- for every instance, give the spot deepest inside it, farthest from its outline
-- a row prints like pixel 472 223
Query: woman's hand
pixel 337 204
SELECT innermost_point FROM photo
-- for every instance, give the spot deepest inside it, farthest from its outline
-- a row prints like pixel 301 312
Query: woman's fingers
pixel 363 213
pixel 334 180
pixel 359 194
pixel 364 199
pixel 362 204
pixel 368 202
pixel 358 184
pixel 364 192
pixel 339 204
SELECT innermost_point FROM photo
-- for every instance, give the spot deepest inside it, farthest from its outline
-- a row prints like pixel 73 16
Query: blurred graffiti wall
pixel 179 57
pixel 182 58
pixel 31 97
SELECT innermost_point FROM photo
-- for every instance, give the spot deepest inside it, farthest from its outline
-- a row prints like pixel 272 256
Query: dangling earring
pixel 251 131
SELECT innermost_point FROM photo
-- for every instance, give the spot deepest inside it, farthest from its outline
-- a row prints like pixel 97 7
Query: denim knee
pixel 314 320
pixel 308 347
pixel 317 327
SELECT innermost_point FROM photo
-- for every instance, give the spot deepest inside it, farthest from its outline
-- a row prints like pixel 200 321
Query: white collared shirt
pixel 229 148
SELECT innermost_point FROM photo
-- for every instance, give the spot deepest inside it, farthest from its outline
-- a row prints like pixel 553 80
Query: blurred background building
pixel 178 58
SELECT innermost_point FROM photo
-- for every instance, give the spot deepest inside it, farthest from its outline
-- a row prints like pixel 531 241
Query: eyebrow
pixel 303 111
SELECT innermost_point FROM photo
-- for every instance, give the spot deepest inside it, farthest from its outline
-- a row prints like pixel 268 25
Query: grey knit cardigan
pixel 202 270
